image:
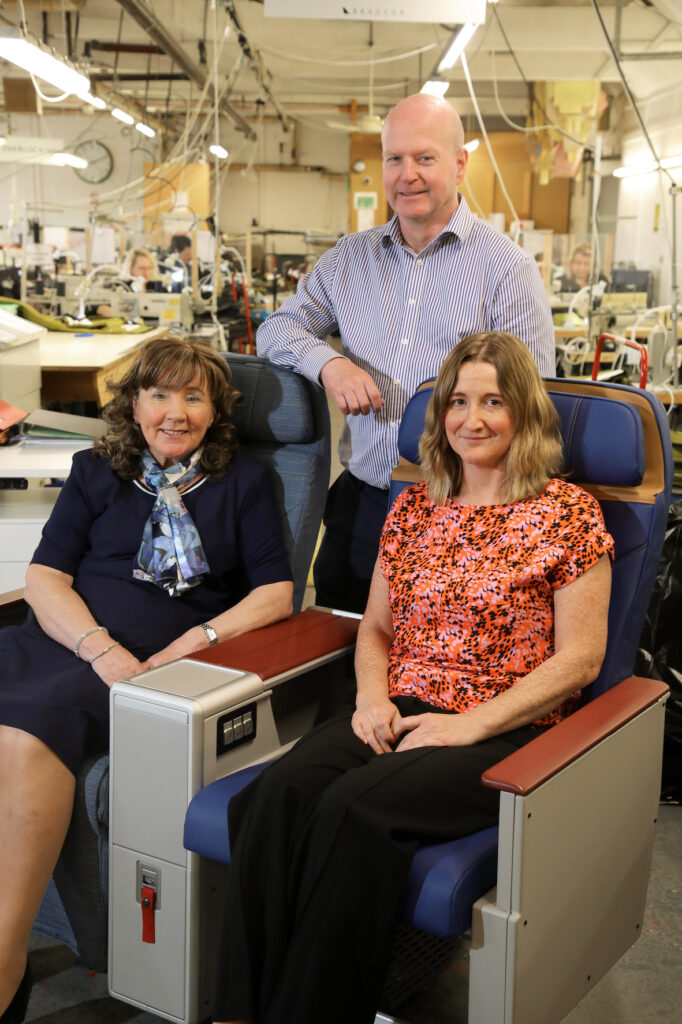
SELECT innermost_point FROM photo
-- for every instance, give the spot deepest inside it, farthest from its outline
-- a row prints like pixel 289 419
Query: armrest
pixel 13 608
pixel 277 649
pixel 527 768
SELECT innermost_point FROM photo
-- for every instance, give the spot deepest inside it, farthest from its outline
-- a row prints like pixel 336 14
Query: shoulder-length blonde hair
pixel 534 456
pixel 170 362
pixel 131 257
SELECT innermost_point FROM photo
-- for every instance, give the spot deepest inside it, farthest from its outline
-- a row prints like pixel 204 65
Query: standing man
pixel 401 296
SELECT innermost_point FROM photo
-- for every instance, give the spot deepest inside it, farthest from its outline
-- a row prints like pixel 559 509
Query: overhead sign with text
pixel 448 11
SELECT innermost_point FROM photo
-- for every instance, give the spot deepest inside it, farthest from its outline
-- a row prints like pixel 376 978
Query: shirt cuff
pixel 316 359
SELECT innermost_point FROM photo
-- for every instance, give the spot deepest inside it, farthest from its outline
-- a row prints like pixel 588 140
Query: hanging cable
pixel 498 172
pixel 628 92
pixel 531 98
pixel 300 59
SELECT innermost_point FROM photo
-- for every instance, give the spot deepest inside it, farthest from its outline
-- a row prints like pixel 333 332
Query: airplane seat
pixel 283 421
pixel 571 886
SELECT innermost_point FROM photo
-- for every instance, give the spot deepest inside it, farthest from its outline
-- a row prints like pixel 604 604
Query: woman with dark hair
pixel 487 613
pixel 164 539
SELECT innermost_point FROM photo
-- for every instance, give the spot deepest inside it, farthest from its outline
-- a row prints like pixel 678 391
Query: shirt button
pixel 404 341
pixel 419 262
pixel 411 302
pixel 396 382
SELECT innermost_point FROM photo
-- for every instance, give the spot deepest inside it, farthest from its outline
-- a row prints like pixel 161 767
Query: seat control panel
pixel 235 728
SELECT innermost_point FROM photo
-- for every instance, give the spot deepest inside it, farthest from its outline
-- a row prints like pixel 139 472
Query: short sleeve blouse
pixel 471 589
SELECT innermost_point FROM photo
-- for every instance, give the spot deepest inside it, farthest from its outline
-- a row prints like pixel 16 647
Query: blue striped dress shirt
pixel 399 313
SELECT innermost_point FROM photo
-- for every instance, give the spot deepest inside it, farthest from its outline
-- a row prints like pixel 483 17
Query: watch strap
pixel 210 632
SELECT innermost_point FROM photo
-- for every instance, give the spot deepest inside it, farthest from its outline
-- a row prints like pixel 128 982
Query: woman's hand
pixel 193 640
pixel 118 663
pixel 376 722
pixel 434 730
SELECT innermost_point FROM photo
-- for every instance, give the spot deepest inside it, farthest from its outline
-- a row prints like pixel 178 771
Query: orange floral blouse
pixel 471 589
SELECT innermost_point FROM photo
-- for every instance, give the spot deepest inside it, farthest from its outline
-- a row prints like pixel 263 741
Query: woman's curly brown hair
pixel 170 362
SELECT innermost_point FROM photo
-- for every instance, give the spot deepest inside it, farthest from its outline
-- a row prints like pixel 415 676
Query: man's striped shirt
pixel 399 314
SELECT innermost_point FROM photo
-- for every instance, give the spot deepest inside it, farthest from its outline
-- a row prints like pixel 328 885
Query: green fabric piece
pixel 96 325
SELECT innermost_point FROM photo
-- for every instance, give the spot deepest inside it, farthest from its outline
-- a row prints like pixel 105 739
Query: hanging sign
pixel 448 11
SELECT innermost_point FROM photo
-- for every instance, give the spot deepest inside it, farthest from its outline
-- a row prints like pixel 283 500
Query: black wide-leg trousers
pixel 322 844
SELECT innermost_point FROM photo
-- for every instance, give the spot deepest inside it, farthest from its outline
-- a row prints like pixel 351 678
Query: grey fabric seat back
pixel 283 421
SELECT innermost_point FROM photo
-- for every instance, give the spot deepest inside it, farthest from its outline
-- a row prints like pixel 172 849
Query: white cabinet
pixel 24 513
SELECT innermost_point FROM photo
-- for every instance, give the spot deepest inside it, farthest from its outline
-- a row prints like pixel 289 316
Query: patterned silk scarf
pixel 171 555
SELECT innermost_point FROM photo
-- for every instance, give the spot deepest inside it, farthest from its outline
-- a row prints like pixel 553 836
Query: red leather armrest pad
pixel 11 597
pixel 543 757
pixel 278 648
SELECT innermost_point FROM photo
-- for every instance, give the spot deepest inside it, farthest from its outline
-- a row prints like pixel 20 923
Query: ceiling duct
pixel 47 5
pixel 156 31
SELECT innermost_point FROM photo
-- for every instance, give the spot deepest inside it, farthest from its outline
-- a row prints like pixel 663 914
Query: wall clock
pixel 100 161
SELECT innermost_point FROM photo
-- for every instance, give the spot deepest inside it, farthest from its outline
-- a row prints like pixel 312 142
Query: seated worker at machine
pixel 180 249
pixel 139 267
pixel 580 269
pixel 112 595
pixel 487 612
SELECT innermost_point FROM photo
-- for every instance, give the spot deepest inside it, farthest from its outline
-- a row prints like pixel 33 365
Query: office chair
pixel 282 421
pixel 570 860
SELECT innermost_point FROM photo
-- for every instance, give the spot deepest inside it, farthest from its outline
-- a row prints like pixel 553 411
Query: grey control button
pixel 238 727
pixel 228 733
pixel 247 720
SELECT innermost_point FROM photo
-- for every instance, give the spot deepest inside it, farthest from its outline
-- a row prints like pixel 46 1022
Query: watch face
pixel 100 162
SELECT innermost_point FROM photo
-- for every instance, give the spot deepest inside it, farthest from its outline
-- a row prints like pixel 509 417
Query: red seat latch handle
pixel 148 909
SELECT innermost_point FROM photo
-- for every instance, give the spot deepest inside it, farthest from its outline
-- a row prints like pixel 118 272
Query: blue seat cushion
pixel 444 881
pixel 206 819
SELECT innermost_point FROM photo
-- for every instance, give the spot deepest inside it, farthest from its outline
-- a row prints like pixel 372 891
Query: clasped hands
pixel 381 725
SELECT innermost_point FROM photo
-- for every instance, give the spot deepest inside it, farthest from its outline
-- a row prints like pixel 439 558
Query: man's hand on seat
pixel 352 388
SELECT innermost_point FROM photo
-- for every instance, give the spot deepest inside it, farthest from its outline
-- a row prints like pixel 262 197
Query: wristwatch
pixel 210 632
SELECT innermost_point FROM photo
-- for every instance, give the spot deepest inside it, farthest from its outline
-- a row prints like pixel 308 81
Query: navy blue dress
pixel 94 534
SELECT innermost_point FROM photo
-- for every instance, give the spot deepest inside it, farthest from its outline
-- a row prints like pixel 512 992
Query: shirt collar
pixel 458 227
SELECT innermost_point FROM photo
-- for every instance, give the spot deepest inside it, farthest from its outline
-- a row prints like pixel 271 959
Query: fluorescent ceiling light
pixel 67 160
pixel 2 142
pixel 145 129
pixel 40 61
pixel 218 151
pixel 121 115
pixel 435 87
pixel 648 167
pixel 94 101
pixel 454 51
pixel 472 146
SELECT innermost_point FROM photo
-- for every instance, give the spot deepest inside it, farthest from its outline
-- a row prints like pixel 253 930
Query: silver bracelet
pixel 82 637
pixel 115 644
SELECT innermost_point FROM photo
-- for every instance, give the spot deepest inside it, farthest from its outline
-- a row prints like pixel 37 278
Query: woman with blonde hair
pixel 139 262
pixel 487 613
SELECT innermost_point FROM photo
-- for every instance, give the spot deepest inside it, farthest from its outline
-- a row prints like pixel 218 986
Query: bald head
pixel 431 115
pixel 424 161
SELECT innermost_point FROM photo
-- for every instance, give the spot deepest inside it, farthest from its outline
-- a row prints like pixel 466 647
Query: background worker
pixel 401 296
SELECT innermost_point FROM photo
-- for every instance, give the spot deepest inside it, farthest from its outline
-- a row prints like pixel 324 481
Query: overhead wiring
pixel 628 92
pixel 347 63
pixel 532 98
pixel 481 124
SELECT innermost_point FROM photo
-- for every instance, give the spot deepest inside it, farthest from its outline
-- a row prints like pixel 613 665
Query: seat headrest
pixel 412 425
pixel 275 404
pixel 603 438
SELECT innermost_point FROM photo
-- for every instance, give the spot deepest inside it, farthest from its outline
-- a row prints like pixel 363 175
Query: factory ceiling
pixel 160 53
